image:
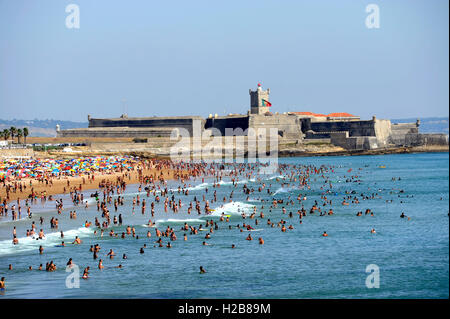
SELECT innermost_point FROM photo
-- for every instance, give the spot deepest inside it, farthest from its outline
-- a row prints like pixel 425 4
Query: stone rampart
pixel 355 128
pixel 288 126
pixel 186 122
pixel 434 139
pixel 117 132
pixel 343 140
pixel 232 122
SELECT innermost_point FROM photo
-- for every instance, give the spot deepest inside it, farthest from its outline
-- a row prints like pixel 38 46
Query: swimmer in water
pixel 324 234
pixel 86 273
pixel 111 254
pixel 2 284
pixel 202 270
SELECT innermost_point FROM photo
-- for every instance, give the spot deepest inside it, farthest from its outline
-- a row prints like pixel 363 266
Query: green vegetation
pixel 15 132
pixel 25 134
pixel 5 134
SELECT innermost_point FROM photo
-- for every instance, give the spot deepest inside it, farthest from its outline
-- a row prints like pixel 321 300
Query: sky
pixel 168 58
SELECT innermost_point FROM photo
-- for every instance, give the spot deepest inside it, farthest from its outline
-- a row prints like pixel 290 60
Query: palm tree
pixel 12 130
pixel 19 135
pixel 25 133
pixel 6 134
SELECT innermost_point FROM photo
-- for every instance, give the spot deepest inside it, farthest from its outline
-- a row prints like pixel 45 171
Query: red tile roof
pixel 308 113
pixel 341 115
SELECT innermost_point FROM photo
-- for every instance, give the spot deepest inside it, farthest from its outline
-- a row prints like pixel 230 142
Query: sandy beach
pixel 60 185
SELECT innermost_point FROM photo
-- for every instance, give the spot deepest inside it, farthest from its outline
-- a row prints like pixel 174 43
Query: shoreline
pixel 163 153
pixel 386 151
pixel 303 153
pixel 75 181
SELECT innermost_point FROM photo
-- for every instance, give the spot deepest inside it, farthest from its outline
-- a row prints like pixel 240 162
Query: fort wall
pixel 185 122
pixel 118 132
pixel 382 132
pixel 433 139
pixel 347 142
pixel 355 128
pixel 404 134
pixel 233 122
pixel 289 126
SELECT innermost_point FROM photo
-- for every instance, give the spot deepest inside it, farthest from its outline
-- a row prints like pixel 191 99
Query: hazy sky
pixel 200 57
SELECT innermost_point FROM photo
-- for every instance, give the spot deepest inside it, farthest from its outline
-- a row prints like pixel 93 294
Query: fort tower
pixel 259 101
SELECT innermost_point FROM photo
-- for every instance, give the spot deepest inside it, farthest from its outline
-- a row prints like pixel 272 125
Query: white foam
pixel 192 188
pixel 131 194
pixel 278 176
pixel 181 221
pixel 205 185
pixel 49 240
pixel 281 190
pixel 90 200
pixel 233 208
pixel 231 183
pixel 146 225
pixel 199 187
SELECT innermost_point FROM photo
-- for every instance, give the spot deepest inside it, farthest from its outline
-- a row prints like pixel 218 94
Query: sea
pixel 406 257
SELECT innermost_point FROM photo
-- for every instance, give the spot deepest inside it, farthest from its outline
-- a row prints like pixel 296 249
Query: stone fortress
pixel 294 128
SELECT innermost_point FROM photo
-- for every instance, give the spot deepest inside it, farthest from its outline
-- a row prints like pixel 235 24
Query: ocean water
pixel 412 255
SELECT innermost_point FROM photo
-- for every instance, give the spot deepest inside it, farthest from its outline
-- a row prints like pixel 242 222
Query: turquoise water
pixel 412 255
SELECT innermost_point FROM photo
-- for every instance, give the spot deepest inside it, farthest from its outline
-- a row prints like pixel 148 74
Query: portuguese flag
pixel 266 103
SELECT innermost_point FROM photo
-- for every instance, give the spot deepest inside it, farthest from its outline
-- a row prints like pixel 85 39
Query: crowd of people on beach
pixel 153 193
pixel 22 176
